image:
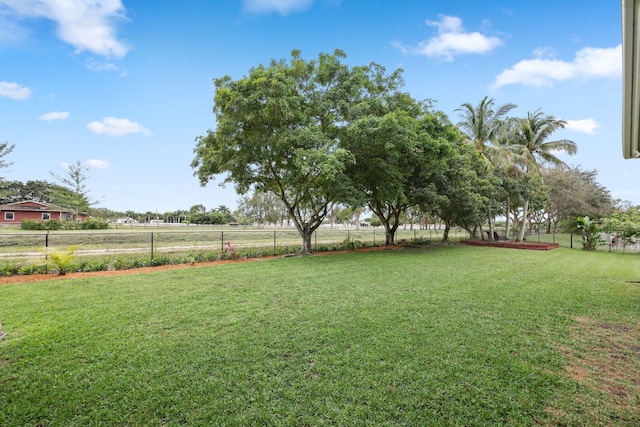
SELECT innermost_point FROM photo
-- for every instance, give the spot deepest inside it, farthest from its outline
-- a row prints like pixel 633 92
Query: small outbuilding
pixel 14 213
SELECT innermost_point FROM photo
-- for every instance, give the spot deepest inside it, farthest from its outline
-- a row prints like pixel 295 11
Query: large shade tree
pixel 400 155
pixel 278 130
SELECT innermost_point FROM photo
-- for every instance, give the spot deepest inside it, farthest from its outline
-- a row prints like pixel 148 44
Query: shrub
pixel 8 269
pixel 94 224
pixel 420 241
pixel 33 269
pixel 351 244
pixel 229 251
pixel 30 224
pixel 94 265
pixel 61 258
pixel 51 224
pixel 590 237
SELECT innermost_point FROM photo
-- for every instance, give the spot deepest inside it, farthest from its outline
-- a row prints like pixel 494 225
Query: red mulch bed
pixel 540 246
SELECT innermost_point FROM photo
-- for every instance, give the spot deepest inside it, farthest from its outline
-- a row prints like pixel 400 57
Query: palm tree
pixel 483 126
pixel 486 128
pixel 533 150
pixel 531 143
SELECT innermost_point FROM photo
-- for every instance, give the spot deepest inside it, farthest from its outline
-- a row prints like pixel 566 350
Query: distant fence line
pixel 29 247
pixel 25 248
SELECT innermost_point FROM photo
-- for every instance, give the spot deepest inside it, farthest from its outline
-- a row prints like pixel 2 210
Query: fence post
pixel 46 245
pixel 152 246
pixel 274 243
pixel 222 241
pixel 374 237
pixel 571 241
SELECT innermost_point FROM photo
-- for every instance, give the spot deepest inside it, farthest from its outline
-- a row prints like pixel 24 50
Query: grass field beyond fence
pixel 441 336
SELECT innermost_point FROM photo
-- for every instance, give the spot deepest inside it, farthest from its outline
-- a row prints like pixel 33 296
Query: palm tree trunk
pixel 523 227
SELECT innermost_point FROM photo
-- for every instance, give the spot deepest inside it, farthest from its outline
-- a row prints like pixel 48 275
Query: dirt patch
pixel 6 280
pixel 605 358
pixel 510 244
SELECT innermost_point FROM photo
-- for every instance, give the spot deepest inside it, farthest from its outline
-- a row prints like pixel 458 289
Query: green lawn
pixel 442 336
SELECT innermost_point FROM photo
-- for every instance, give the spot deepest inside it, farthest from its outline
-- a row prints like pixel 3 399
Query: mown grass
pixel 439 336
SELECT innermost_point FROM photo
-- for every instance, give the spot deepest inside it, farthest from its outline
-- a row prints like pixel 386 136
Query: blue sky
pixel 126 85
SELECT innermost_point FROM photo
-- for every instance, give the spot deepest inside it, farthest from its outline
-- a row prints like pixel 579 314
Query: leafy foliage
pixel 590 237
pixel 279 128
pixel 53 224
pixel 61 258
pixel 625 224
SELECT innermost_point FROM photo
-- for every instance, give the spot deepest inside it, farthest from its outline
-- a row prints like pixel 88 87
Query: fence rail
pixel 20 249
pixel 24 248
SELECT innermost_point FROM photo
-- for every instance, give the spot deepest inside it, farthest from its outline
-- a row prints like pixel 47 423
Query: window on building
pixel 46 216
pixel 8 216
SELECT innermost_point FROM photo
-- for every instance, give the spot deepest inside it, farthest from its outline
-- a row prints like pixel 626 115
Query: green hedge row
pixel 53 224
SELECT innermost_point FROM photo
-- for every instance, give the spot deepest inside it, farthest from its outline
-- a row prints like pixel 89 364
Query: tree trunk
pixel 389 230
pixel 445 235
pixel 507 225
pixel 524 221
pixel 306 243
pixel 490 220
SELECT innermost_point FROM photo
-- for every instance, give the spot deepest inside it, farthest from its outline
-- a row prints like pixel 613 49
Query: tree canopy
pixel 279 128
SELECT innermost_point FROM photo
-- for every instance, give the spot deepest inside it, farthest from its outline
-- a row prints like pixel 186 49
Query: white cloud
pixel 587 126
pixel 114 126
pixel 54 115
pixel 101 66
pixel 283 7
pixel 88 25
pixel 452 40
pixel 14 91
pixel 97 164
pixel 589 63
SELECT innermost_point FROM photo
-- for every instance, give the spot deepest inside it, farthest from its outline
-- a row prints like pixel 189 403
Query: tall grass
pixel 446 336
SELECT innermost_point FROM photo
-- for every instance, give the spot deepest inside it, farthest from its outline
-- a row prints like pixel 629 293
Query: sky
pixel 125 86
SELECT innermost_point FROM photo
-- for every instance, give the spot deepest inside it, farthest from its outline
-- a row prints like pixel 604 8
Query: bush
pixel 94 265
pixel 33 269
pixel 351 245
pixel 94 224
pixel 51 224
pixel 590 237
pixel 61 258
pixel 8 269
pixel 420 241
pixel 30 224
